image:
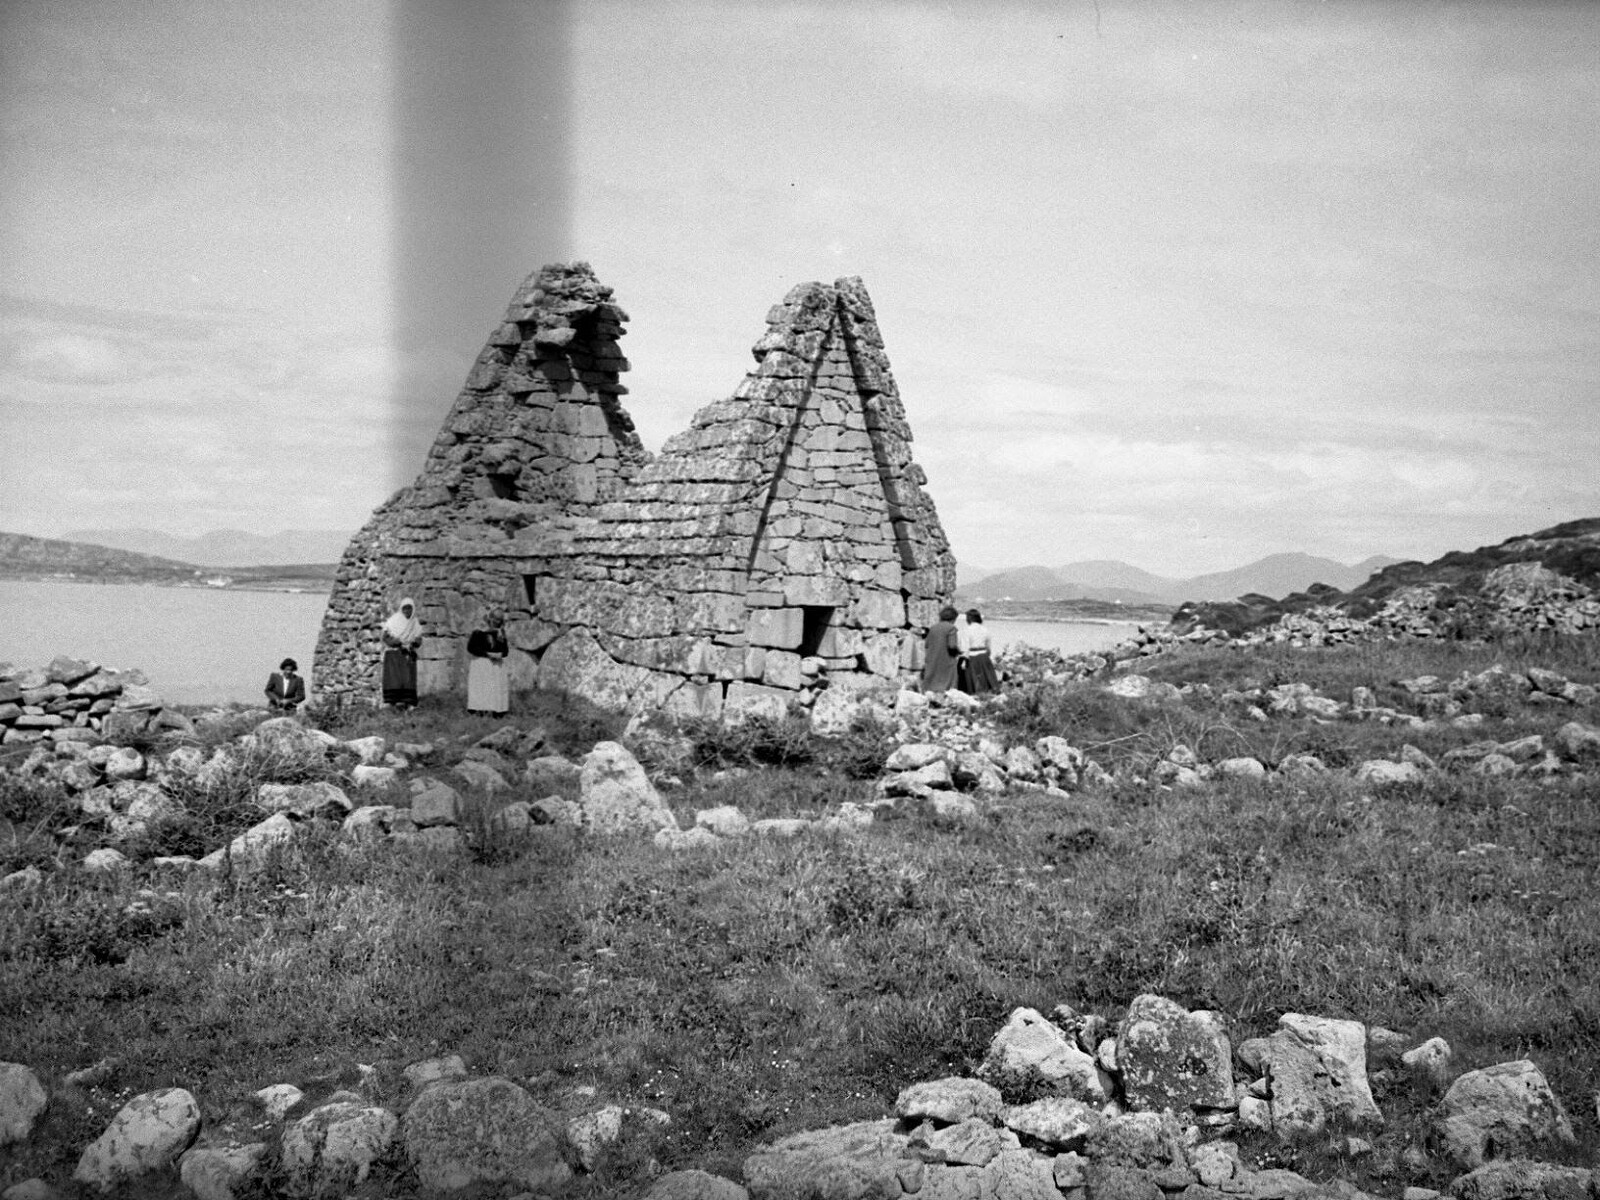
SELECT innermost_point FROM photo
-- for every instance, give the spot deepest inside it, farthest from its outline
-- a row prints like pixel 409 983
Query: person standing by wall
pixel 286 690
pixel 402 638
pixel 942 650
pixel 981 677
pixel 488 681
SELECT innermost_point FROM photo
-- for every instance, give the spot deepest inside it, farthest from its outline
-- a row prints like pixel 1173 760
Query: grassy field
pixel 763 987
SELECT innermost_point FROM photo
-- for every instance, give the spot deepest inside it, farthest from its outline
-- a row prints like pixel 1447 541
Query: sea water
pixel 197 645
pixel 217 645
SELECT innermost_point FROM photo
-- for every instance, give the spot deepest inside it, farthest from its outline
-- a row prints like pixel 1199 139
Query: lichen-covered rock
pixel 333 1147
pixel 948 1100
pixel 147 1134
pixel 1316 1070
pixel 1030 1052
pixel 220 1173
pixel 1172 1058
pixel 695 1185
pixel 842 1162
pixel 968 1143
pixel 22 1099
pixel 1058 1121
pixel 1523 1179
pixel 616 796
pixel 1503 1111
pixel 482 1131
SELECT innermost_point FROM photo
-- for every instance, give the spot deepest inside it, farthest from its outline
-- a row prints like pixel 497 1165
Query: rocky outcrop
pixel 782 546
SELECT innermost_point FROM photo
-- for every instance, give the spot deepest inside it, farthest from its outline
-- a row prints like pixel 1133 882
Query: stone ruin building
pixel 780 548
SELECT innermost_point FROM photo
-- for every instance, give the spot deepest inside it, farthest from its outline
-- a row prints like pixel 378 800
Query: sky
pixel 1181 284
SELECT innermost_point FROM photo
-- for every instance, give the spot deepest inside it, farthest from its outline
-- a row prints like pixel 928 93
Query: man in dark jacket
pixel 285 689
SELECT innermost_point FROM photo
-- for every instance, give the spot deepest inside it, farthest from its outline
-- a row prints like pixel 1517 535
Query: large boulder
pixel 332 1148
pixel 22 1099
pixel 838 1163
pixel 1578 743
pixel 1501 1111
pixel 148 1134
pixel 1029 1053
pixel 1057 1121
pixel 695 1185
pixel 1172 1058
pixel 1523 1179
pixel 616 796
pixel 1316 1070
pixel 220 1173
pixel 948 1100
pixel 470 1132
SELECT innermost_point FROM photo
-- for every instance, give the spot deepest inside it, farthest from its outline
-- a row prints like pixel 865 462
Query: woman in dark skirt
pixel 941 650
pixel 402 636
pixel 980 676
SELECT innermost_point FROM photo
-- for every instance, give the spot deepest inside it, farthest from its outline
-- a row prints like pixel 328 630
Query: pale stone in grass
pixel 725 820
pixel 1021 763
pixel 1172 1058
pixel 27 877
pixel 847 818
pixel 219 1173
pixel 1214 1163
pixel 1380 772
pixel 482 1131
pixel 616 796
pixel 287 736
pixel 1255 1114
pixel 333 1147
pixel 480 775
pixel 863 1159
pixel 303 799
pixel 1522 1179
pixel 105 859
pixel 695 1185
pixel 435 803
pixel 1429 1061
pixel 125 763
pixel 369 821
pixel 1055 1120
pixel 1577 742
pixel 434 1070
pixel 514 818
pixel 697 838
pixel 277 1099
pixel 952 806
pixel 365 775
pixel 251 848
pixel 954 1098
pixel 1501 1111
pixel 1316 1070
pixel 551 772
pixel 914 755
pixel 148 1134
pixel 1242 768
pixel 1301 764
pixel 591 1133
pixel 22 1099
pixel 369 750
pixel 1029 1050
pixel 31 1189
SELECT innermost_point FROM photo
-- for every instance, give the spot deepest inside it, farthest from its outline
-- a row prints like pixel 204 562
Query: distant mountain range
pixel 1276 575
pixel 225 547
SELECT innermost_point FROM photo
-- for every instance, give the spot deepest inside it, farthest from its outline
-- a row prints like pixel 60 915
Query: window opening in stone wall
pixel 817 617
pixel 527 586
pixel 503 486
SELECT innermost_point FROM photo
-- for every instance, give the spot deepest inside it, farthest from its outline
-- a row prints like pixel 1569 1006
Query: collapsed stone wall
pixel 782 545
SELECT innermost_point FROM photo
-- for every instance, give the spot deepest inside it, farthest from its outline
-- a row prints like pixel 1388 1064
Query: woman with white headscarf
pixel 402 636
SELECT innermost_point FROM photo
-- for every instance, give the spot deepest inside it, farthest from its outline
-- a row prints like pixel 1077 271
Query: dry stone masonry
pixel 780 547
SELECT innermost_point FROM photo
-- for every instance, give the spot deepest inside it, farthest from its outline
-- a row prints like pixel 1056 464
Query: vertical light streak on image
pixel 481 188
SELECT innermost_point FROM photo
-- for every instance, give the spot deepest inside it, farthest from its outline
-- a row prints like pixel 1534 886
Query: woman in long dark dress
pixel 402 636
pixel 488 682
pixel 981 677
pixel 942 650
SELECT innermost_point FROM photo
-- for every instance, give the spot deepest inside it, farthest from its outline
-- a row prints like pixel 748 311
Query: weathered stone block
pixel 877 610
pixel 780 628
pixel 781 669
